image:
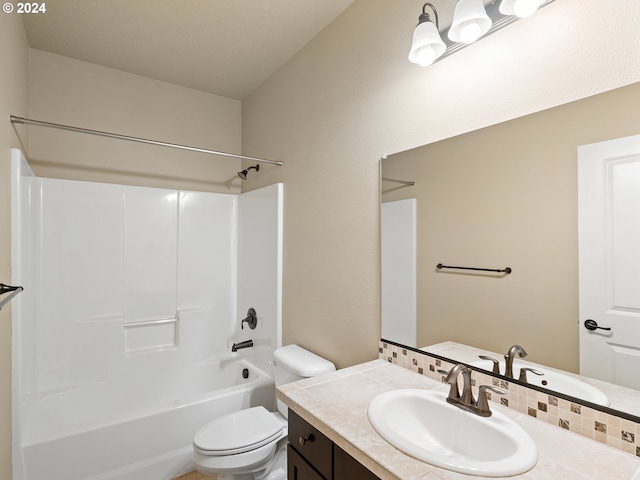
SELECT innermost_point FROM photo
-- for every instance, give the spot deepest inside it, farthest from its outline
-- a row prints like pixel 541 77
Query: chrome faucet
pixel 465 401
pixel 508 359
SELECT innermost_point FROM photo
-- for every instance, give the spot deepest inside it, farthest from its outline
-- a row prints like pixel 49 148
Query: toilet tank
pixel 294 363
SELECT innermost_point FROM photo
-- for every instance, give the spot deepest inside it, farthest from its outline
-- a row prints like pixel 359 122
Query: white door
pixel 609 251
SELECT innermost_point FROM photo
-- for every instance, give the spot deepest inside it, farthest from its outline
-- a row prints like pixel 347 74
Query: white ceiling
pixel 225 47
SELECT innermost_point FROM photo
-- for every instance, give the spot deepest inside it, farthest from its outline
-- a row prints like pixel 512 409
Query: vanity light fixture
pixel 427 46
pixel 519 8
pixel 472 19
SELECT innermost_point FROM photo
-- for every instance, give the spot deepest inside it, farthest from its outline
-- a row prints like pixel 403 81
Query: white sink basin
pixel 556 381
pixel 422 424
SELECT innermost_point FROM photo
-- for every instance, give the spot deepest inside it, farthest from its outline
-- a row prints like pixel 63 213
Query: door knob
pixel 593 325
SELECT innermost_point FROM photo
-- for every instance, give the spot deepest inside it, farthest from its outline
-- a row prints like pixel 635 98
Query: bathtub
pixel 85 433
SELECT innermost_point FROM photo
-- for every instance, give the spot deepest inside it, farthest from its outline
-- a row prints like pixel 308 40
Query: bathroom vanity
pixel 333 408
pixel 313 456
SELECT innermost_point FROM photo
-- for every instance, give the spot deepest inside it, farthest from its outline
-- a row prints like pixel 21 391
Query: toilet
pixel 251 444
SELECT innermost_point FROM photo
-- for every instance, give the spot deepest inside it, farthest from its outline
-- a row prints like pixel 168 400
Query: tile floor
pixel 196 476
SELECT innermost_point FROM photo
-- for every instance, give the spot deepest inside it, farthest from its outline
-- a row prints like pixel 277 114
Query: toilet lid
pixel 239 432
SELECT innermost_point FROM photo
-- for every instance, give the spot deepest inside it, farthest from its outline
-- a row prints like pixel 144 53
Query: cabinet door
pixel 311 444
pixel 298 468
pixel 345 467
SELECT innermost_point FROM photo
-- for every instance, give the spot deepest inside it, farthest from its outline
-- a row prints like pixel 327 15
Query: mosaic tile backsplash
pixel 605 428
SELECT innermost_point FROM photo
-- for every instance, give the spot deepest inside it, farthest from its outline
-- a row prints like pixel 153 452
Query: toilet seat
pixel 247 462
pixel 239 432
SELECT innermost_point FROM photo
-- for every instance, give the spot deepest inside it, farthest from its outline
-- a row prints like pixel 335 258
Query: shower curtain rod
pixel 403 182
pixel 27 121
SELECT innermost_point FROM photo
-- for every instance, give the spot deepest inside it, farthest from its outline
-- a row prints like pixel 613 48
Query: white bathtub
pixel 86 434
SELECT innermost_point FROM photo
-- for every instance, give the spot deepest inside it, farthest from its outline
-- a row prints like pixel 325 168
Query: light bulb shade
pixel 427 46
pixel 520 8
pixel 470 21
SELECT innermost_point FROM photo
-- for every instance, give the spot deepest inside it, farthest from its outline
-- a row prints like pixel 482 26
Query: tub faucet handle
pixel 251 320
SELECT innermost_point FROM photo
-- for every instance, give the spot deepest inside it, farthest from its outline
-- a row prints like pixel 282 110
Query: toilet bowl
pixel 241 442
pixel 251 444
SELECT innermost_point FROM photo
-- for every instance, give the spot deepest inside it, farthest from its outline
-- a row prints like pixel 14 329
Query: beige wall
pixel 507 195
pixel 70 92
pixel 351 96
pixel 14 62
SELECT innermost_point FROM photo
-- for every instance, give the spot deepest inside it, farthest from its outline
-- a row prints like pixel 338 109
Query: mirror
pixel 502 196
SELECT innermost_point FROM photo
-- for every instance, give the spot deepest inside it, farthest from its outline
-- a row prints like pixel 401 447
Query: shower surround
pixel 133 298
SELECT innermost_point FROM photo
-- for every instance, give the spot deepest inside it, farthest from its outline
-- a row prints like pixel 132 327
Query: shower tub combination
pixel 123 334
pixel 69 436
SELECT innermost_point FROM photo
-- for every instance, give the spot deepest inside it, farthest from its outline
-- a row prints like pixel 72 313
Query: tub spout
pixel 245 344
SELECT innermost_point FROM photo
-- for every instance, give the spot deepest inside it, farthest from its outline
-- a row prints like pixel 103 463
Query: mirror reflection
pixel 502 196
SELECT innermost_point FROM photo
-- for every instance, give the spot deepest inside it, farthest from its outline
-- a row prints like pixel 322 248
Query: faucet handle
pixel 251 320
pixel 523 373
pixel 454 392
pixel 483 404
pixel 496 363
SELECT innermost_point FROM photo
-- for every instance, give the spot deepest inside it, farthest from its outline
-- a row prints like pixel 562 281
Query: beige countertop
pixel 336 404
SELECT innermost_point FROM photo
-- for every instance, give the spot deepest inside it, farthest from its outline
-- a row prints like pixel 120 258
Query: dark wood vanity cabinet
pixel 345 467
pixel 312 456
pixel 298 468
